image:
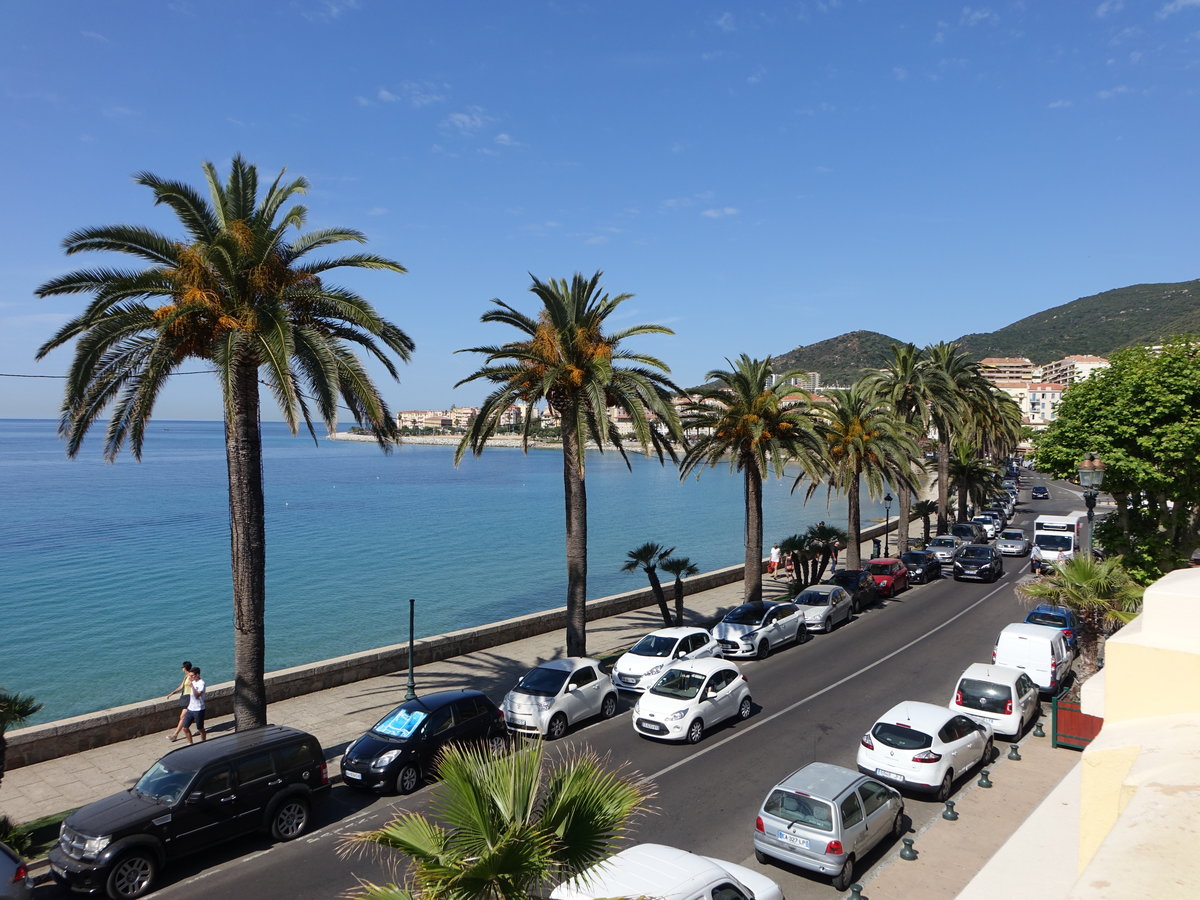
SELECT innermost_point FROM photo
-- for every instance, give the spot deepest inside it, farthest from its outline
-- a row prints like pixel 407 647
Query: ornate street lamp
pixel 411 693
pixel 1091 476
pixel 887 517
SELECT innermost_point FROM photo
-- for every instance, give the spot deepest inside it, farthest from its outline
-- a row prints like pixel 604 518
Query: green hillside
pixel 841 359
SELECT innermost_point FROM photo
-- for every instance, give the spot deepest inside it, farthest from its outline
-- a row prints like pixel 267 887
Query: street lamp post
pixel 887 516
pixel 1091 476
pixel 411 693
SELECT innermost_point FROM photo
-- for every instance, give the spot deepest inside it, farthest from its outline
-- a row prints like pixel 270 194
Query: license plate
pixel 353 776
pixel 884 773
pixel 792 839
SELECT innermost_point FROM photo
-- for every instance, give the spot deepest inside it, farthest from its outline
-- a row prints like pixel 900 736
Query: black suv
pixel 978 561
pixel 192 798
pixel 858 584
pixel 401 749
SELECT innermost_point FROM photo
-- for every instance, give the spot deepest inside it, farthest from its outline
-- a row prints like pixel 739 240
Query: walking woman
pixel 185 695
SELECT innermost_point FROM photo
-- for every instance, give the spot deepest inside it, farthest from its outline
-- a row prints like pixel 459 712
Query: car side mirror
pixel 194 798
pixel 568 688
pixel 680 654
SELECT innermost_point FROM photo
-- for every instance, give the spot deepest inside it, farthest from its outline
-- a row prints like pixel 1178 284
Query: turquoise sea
pixel 111 574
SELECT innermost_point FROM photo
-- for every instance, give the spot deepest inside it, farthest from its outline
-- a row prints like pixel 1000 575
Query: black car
pixel 923 566
pixel 401 749
pixel 981 562
pixel 200 795
pixel 858 584
pixel 1039 492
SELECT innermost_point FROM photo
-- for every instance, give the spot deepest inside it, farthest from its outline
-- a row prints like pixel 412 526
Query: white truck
pixel 1058 538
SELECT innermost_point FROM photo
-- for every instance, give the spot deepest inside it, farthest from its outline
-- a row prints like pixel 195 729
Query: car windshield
pixel 654 645
pixel 942 542
pixel 746 614
pixel 542 682
pixel 678 684
pixel 1058 542
pixel 881 568
pixel 900 736
pixel 974 553
pixel 987 695
pixel 1054 620
pixel 800 809
pixel 1013 536
pixel 813 598
pixel 162 784
pixel 401 722
pixel 913 559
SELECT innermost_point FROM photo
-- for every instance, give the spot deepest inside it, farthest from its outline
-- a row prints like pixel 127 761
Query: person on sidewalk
pixel 185 696
pixel 195 710
pixel 1035 560
pixel 773 563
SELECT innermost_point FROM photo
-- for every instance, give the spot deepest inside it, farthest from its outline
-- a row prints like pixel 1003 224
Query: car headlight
pixel 385 759
pixel 677 715
pixel 637 708
pixel 543 702
pixel 653 671
pixel 95 846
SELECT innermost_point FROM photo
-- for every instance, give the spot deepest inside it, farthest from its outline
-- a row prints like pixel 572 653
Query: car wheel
pixel 943 791
pixel 744 708
pixel 498 743
pixel 695 731
pixel 608 708
pixel 132 876
pixel 290 819
pixel 761 857
pixel 988 750
pixel 557 727
pixel 845 877
pixel 407 779
pixel 898 826
pixel 827 626
pixel 764 649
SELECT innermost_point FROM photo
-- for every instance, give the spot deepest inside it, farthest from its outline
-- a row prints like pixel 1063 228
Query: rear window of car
pixel 296 756
pixel 800 809
pixel 901 737
pixel 985 695
pixel 1054 620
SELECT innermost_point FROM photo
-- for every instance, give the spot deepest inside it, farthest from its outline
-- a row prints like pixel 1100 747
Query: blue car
pixel 1057 617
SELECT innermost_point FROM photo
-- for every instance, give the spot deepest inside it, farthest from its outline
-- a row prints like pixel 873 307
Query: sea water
pixel 111 574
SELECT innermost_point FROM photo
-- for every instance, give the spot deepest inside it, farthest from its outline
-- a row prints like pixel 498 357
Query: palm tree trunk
pixel 853 524
pixel 659 597
pixel 576 512
pixel 678 601
pixel 943 478
pixel 752 579
pixel 904 512
pixel 247 532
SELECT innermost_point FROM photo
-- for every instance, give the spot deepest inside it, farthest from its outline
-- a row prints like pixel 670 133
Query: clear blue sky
pixel 759 175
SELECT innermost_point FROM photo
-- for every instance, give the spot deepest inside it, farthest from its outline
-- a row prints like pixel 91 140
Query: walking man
pixel 195 710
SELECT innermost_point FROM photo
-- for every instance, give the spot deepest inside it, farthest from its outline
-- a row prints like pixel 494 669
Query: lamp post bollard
pixel 411 693
pixel 908 852
pixel 1091 476
pixel 1014 752
pixel 949 814
pixel 984 781
pixel 887 521
pixel 1038 731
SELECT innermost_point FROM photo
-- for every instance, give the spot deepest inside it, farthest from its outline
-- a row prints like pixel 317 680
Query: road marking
pixel 825 690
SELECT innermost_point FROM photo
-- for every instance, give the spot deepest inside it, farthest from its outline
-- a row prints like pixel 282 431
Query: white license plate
pixel 792 839
pixel 353 776
pixel 884 773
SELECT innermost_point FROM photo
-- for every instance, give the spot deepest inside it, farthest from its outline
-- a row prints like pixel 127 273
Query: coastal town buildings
pixel 1068 370
pixel 1007 368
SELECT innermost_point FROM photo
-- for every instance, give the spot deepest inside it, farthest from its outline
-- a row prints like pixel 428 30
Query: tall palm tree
pixel 15 709
pixel 926 509
pixel 564 357
pixel 759 429
pixel 236 292
pixel 864 442
pixel 681 567
pixel 513 825
pixel 648 557
pixel 914 388
pixel 972 477
pixel 1099 592
pixel 968 394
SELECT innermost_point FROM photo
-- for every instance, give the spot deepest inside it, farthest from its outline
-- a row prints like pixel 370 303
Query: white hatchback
pixel 755 629
pixel 924 747
pixel 667 873
pixel 551 697
pixel 645 661
pixel 689 697
pixel 1005 698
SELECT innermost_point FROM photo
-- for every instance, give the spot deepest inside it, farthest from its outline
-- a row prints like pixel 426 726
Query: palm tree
pixel 681 567
pixel 968 394
pixel 914 387
pixel 1099 592
pixel 513 825
pixel 760 429
pixel 565 358
pixel 926 509
pixel 647 557
pixel 973 478
pixel 15 709
pixel 864 442
pixel 235 293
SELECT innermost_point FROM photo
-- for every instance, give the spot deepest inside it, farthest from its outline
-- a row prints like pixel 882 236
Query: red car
pixel 890 575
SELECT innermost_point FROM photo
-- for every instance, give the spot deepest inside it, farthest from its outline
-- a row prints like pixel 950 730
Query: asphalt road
pixel 813 701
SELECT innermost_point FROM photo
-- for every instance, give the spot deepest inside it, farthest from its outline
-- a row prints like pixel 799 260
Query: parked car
pixel 999 512
pixel 825 818
pixel 1013 542
pixel 989 525
pixel 192 799
pixel 1039 492
pixel 943 547
pixel 401 749
pixel 978 561
pixel 1004 697
pixel 15 883
pixel 1059 617
pixel 890 574
pixel 824 605
pixel 666 873
pixel 923 566
pixel 690 696
pixel 640 667
pixel 858 584
pixel 969 532
pixel 1040 651
pixel 755 629
pixel 924 747
pixel 557 694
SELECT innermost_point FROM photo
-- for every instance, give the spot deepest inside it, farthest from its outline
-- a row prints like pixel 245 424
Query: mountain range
pixel 1096 325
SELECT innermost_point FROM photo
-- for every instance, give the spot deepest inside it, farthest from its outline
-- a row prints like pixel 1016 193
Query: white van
pixel 1040 651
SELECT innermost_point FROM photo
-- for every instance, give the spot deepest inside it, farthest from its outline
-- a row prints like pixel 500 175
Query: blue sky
pixel 758 175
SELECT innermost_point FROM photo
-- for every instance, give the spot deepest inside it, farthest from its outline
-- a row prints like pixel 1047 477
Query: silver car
pixel 824 605
pixel 825 818
pixel 755 629
pixel 1012 542
pixel 943 547
pixel 555 695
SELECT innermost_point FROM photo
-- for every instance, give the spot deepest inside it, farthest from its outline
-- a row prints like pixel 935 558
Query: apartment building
pixel 1008 368
pixel 1070 369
